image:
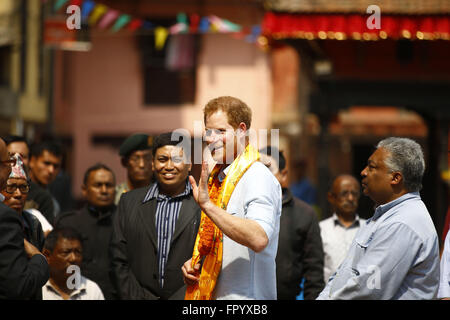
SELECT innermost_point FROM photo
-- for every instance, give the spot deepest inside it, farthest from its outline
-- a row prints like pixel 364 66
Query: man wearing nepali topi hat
pixel 15 193
pixel 23 268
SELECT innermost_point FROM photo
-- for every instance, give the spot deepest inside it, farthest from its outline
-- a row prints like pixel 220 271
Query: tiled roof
pixel 348 6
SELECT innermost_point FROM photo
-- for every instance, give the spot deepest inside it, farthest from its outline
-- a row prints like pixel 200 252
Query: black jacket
pixel 300 252
pixel 20 277
pixel 40 199
pixel 95 228
pixel 33 230
pixel 134 248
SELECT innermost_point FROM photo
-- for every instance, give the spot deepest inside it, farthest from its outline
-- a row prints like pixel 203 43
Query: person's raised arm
pixel 244 231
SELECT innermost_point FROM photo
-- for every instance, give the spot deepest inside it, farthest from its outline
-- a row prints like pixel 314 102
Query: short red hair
pixel 236 110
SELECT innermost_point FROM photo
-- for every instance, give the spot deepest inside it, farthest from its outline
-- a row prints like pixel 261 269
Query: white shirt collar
pixel 356 222
pixel 80 289
pixel 2 198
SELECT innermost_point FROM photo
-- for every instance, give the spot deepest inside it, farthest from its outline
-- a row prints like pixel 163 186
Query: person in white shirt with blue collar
pixel 395 254
pixel 249 223
pixel 444 285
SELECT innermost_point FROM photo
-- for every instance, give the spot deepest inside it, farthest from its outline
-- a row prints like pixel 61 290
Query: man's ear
pixel 243 128
pixel 330 197
pixel 284 176
pixel 46 253
pixel 84 190
pixel 397 178
pixel 124 161
pixel 31 162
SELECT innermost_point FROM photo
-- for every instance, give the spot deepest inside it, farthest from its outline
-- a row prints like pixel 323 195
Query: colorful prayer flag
pixel 59 4
pixel 121 21
pixel 161 34
pixel 97 13
pixel 108 18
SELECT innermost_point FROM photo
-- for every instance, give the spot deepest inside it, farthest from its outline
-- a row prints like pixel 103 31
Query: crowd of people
pixel 238 232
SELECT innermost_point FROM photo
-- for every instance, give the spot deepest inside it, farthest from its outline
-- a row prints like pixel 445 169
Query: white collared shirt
pixel 247 274
pixel 336 240
pixel 88 290
pixel 444 284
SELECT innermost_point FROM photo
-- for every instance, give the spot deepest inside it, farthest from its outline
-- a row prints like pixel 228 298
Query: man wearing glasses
pixel 23 269
pixel 39 200
pixel 338 231
pixel 136 157
pixel 15 194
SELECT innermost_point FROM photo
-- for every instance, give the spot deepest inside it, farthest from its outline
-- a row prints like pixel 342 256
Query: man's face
pixel 67 252
pixel 221 138
pixel 45 167
pixel 376 178
pixel 171 169
pixel 99 190
pixel 138 165
pixel 16 199
pixel 344 195
pixel 20 148
pixel 5 168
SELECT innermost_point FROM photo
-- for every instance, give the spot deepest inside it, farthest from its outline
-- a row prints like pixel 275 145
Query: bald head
pixel 344 195
pixel 343 179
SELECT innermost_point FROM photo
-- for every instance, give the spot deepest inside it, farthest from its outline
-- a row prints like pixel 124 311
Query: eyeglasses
pixel 11 188
pixel 11 161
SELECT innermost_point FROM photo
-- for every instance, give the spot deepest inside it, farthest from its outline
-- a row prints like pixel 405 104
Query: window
pixel 5 62
pixel 169 73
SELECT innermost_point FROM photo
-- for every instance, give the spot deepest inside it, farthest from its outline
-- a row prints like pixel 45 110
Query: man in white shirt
pixel 339 230
pixel 395 254
pixel 444 283
pixel 249 220
pixel 64 254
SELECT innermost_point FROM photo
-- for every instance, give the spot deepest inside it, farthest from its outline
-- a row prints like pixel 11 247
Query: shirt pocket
pixel 362 242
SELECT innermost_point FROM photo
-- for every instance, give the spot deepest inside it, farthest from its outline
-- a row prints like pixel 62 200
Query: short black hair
pixel 12 138
pixel 52 147
pixel 169 139
pixel 96 167
pixel 61 233
pixel 281 159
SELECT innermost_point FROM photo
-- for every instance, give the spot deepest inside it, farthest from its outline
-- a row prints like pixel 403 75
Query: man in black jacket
pixel 155 229
pixel 23 269
pixel 94 222
pixel 300 252
pixel 45 163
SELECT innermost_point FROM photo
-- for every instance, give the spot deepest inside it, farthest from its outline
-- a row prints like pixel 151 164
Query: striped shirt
pixel 167 211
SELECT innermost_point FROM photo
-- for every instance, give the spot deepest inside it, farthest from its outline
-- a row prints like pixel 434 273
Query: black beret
pixel 139 141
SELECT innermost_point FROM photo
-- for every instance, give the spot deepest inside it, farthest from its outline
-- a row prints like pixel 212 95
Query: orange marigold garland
pixel 209 241
pixel 207 244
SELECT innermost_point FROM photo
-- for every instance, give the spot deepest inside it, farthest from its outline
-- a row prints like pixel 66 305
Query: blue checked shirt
pixel 167 211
